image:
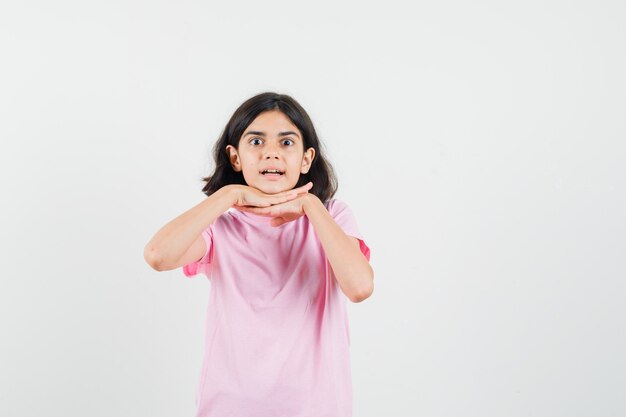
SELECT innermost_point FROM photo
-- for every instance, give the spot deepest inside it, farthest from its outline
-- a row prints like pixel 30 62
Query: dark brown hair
pixel 321 172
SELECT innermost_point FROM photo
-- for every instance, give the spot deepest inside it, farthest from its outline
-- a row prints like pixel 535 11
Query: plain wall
pixel 481 146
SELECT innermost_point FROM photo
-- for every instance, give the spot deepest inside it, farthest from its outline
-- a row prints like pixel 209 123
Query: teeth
pixel 272 171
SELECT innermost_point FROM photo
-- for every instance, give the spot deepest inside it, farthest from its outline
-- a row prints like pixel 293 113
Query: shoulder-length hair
pixel 321 172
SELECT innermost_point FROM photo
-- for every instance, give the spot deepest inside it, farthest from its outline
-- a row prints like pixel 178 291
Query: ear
pixel 307 160
pixel 233 156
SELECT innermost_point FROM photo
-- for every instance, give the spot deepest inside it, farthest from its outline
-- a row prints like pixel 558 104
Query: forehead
pixel 272 122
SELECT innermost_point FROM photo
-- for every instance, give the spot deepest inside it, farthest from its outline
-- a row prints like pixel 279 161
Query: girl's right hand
pixel 249 196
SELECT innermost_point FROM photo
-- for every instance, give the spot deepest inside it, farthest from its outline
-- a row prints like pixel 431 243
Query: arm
pixel 351 268
pixel 167 247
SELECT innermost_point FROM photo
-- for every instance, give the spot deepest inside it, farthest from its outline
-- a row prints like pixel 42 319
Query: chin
pixel 273 189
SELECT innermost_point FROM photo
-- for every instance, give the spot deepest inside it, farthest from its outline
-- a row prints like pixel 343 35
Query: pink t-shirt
pixel 277 334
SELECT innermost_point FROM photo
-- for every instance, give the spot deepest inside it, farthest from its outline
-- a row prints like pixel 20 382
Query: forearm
pixel 350 267
pixel 172 241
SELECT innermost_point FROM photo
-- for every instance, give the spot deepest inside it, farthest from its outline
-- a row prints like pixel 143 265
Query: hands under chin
pixel 282 212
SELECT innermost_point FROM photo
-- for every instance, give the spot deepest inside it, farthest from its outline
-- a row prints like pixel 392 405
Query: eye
pixel 288 142
pixel 256 141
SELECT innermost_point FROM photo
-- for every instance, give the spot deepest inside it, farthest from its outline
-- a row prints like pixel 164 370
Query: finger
pixel 269 200
pixel 284 198
pixel 251 209
pixel 262 202
pixel 302 189
pixel 264 211
pixel 305 188
pixel 257 202
pixel 291 194
pixel 242 208
pixel 277 221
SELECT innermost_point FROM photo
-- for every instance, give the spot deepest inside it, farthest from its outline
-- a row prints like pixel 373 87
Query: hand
pixel 245 196
pixel 283 212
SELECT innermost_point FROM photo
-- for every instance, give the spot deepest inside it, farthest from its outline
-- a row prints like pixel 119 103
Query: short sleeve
pixel 342 214
pixel 202 265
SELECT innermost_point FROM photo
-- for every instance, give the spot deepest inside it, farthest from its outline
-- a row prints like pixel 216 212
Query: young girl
pixel 282 257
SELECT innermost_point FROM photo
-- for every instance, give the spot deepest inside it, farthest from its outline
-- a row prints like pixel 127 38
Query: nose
pixel 270 151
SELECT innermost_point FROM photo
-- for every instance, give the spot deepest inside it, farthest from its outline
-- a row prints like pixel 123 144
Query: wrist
pixel 310 202
pixel 231 193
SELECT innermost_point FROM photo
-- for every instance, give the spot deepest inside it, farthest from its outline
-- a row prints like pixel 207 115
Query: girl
pixel 282 257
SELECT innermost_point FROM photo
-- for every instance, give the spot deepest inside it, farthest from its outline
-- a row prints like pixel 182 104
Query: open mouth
pixel 275 172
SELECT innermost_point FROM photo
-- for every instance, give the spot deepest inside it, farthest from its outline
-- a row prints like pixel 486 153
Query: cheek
pixel 248 161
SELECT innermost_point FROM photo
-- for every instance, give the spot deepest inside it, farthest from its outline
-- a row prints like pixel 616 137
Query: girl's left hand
pixel 283 212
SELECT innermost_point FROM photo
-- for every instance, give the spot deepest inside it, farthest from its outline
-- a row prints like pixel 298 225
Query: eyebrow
pixel 256 132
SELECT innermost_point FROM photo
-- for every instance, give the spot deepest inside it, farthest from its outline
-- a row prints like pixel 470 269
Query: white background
pixel 481 146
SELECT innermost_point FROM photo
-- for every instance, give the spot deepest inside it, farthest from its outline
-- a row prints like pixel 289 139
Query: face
pixel 271 153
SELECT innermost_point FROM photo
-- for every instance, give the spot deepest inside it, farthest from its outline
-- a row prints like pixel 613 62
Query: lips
pixel 272 171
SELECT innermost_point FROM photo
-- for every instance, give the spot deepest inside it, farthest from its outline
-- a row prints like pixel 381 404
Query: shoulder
pixel 342 214
pixel 335 204
pixel 337 208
